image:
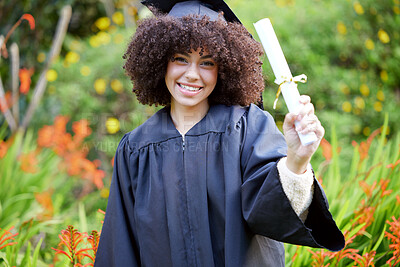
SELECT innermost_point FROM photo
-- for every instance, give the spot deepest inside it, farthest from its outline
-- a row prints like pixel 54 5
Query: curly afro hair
pixel 157 39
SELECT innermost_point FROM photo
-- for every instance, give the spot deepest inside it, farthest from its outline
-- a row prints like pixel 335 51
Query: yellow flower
pixel 112 125
pixel 366 131
pixel 364 89
pixel 41 57
pixel 85 71
pixel 356 128
pixel 118 18
pixel 345 89
pixel 369 44
pixel 75 45
pixel 103 38
pixel 51 75
pixel 358 8
pixel 117 86
pixel 94 42
pixel 357 111
pixel 359 101
pixel 118 38
pixel 103 23
pixel 383 36
pixel 387 130
pixel 396 10
pixel 100 86
pixel 341 28
pixel 72 57
pixel 356 25
pixel 346 106
pixel 132 11
pixel 378 106
pixel 384 75
pixel 380 95
pixel 104 193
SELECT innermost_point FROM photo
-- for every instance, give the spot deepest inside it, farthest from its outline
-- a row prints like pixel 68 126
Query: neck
pixel 184 118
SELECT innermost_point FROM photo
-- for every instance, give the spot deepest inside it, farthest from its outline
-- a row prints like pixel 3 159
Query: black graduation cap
pixel 180 8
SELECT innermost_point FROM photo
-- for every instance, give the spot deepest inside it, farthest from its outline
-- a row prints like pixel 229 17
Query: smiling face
pixel 191 78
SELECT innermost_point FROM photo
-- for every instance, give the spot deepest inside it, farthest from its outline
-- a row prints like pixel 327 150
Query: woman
pixel 209 180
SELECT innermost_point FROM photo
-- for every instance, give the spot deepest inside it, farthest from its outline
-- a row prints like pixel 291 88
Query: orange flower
pixel 25 78
pixel 4 145
pixel 93 239
pixel 29 162
pixel 368 189
pixel 319 257
pixel 346 252
pixel 365 260
pixel 30 19
pixel 113 158
pixel 27 17
pixel 63 143
pixel 81 128
pixel 6 236
pixel 60 124
pixel 393 165
pixel 384 183
pixel 44 199
pixel 8 104
pixel 71 239
pixel 394 238
pixel 364 146
pixel 46 136
pixel 398 199
pixel 92 174
pixel 326 149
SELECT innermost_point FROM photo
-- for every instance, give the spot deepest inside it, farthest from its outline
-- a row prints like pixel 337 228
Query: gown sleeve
pixel 117 245
pixel 265 207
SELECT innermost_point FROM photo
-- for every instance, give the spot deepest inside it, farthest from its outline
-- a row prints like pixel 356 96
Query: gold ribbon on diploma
pixel 302 78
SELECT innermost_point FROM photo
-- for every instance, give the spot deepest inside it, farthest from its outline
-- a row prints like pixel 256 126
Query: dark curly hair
pixel 157 39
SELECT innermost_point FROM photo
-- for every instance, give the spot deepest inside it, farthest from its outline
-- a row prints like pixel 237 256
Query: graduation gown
pixel 213 198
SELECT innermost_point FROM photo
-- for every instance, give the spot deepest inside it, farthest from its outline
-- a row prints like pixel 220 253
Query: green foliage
pixel 349 50
pixel 362 198
pixel 350 57
pixel 84 13
pixel 94 87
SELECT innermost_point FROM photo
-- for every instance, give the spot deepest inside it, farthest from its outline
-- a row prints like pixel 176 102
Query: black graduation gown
pixel 208 200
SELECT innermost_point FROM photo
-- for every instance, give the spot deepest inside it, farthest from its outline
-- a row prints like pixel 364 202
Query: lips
pixel 190 88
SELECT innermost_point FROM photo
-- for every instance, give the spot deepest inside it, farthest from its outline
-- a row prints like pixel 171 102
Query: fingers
pixel 307 121
pixel 307 109
pixel 310 123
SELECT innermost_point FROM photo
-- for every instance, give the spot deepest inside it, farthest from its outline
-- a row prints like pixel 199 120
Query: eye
pixel 179 59
pixel 208 63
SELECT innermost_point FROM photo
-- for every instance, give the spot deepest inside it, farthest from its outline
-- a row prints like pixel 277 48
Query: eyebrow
pixel 203 57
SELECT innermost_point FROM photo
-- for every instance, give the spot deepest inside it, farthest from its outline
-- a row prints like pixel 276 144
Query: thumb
pixel 288 123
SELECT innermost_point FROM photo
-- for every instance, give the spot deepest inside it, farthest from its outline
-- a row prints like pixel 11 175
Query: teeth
pixel 190 88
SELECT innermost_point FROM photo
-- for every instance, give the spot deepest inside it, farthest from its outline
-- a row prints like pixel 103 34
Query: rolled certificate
pixel 282 73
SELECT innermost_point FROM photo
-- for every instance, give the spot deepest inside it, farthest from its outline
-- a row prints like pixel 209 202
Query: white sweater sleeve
pixel 298 188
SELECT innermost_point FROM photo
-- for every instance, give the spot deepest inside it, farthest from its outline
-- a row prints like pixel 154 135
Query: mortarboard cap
pixel 180 8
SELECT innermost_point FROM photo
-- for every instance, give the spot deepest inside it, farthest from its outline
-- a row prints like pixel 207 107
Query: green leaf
pixel 380 239
pixel 36 253
pixel 26 261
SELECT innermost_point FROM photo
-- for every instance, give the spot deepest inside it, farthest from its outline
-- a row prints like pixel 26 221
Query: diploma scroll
pixel 283 76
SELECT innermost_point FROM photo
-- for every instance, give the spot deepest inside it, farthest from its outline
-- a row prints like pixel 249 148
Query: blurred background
pixel 65 104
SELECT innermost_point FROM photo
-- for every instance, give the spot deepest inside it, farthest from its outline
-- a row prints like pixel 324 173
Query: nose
pixel 192 72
